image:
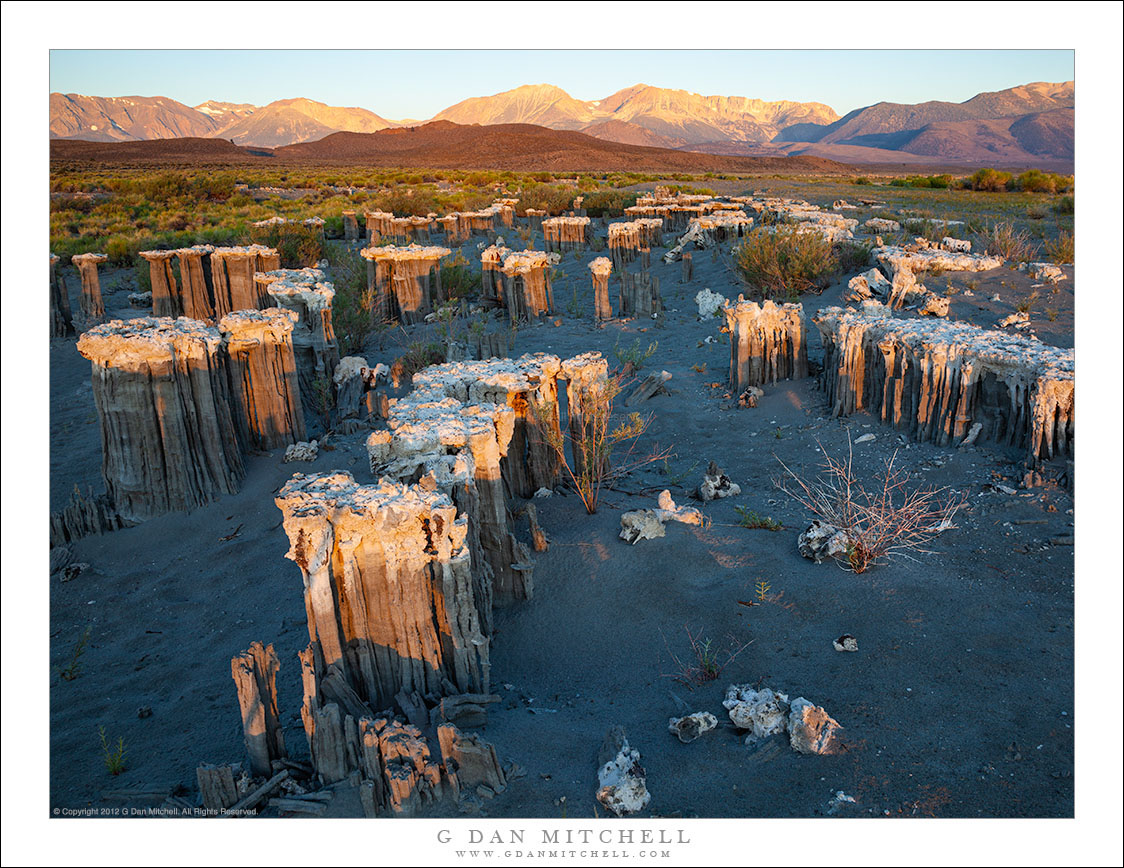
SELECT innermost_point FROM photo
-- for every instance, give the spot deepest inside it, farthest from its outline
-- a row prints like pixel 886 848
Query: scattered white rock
pixel 716 484
pixel 668 511
pixel 1044 271
pixel 709 303
pixel 641 524
pixel 838 801
pixel 544 492
pixel 1019 319
pixel 880 224
pixel 750 397
pixel 822 541
pixel 688 728
pixel 869 284
pixel 621 781
pixel 140 299
pixel 811 730
pixel 762 712
pixel 866 438
pixel 846 642
pixel 956 245
pixel 304 450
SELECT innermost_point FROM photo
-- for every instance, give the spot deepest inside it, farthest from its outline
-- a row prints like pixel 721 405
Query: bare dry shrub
pixel 589 466
pixel 1003 239
pixel 882 518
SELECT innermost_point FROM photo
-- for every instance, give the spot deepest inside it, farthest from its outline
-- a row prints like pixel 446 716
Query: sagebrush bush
pixel 783 263
pixel 353 308
pixel 990 180
pixel 1003 239
pixel 1060 250
pixel 459 280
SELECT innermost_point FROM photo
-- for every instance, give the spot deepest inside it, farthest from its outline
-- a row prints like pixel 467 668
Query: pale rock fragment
pixel 709 303
pixel 641 524
pixel 762 712
pixel 716 484
pixel 846 642
pixel 690 727
pixel 305 450
pixel 822 541
pixel 622 787
pixel 811 730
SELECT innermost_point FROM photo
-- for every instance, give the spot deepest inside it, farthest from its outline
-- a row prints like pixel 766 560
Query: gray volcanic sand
pixel 959 702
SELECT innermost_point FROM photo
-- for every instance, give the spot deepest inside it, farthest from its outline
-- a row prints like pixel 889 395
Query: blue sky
pixel 375 79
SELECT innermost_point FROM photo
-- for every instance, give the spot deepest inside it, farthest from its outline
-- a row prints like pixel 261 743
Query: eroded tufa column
pixel 600 269
pixel 407 280
pixel 91 303
pixel 388 587
pixel 561 234
pixel 62 324
pixel 232 272
pixel 264 385
pixel 169 441
pixel 165 292
pixel 526 285
pixel 768 342
pixel 197 296
pixel 305 292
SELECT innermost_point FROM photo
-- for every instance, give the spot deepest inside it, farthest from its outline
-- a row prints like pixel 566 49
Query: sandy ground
pixel 959 702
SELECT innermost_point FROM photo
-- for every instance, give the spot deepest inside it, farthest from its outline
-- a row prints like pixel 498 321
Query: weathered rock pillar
pixel 768 342
pixel 264 386
pixel 91 304
pixel 937 380
pixel 378 225
pixel 165 292
pixel 255 675
pixel 530 463
pixel 350 226
pixel 640 295
pixel 169 441
pixel 586 378
pixel 306 293
pixel 233 269
pixel 459 447
pixel 601 268
pixel 561 234
pixel 491 265
pixel 526 285
pixel 388 590
pixel 62 324
pixel 197 294
pixel 407 280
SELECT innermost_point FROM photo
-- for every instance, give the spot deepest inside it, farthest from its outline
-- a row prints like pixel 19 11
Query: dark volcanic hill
pixel 525 147
pixel 156 151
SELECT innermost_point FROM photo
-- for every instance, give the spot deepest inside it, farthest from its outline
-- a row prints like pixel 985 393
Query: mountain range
pixel 1027 125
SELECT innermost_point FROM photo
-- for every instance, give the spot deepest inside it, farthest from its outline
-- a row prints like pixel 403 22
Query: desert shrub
pixel 861 181
pixel 459 280
pixel 1036 211
pixel 706 660
pixel 1064 205
pixel 784 263
pixel 590 465
pixel 299 246
pixel 1036 181
pixel 1003 239
pixel 552 198
pixel 608 202
pixel 353 308
pixel 880 519
pixel 419 354
pixel 1060 250
pixel 990 180
pixel 852 256
pixel 113 756
pixel 632 358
